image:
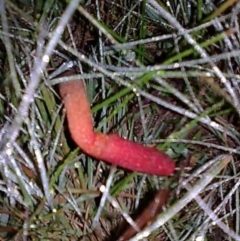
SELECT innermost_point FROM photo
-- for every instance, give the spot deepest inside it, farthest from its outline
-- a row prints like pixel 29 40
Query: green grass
pixel 161 73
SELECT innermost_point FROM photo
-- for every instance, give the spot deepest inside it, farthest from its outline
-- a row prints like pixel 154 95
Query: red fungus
pixel 110 148
pixel 148 215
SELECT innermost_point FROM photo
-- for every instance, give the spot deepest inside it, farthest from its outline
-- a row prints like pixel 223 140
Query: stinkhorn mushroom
pixel 110 148
pixel 148 215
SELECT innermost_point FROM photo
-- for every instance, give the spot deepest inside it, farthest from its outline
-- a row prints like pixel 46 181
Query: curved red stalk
pixel 110 148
